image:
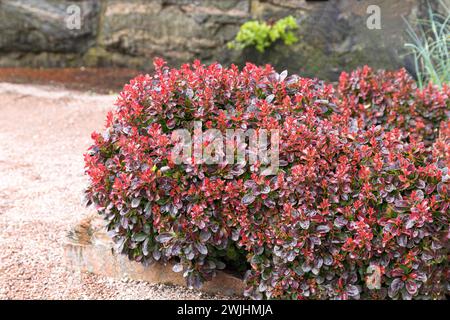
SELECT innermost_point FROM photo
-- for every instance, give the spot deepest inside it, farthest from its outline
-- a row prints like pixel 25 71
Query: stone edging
pixel 89 249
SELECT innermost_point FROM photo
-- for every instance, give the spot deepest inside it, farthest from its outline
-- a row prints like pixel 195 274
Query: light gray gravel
pixel 44 132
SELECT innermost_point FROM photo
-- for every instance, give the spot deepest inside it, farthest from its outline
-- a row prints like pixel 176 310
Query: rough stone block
pixel 40 25
pixel 89 248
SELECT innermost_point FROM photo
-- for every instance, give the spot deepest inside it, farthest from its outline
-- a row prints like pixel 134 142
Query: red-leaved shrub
pixel 392 99
pixel 441 148
pixel 353 212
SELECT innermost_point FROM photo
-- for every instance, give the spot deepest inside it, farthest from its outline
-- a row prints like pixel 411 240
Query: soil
pixel 100 80
pixel 44 132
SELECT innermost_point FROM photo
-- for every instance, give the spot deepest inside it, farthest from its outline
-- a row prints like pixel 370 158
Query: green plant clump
pixel 430 45
pixel 262 35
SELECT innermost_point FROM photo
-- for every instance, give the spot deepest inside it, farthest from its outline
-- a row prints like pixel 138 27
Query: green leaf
pixel 139 237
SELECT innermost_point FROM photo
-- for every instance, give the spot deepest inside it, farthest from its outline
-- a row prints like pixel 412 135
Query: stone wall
pixel 333 34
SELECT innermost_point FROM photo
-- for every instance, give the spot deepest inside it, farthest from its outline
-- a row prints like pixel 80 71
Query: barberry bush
pixel 392 99
pixel 354 211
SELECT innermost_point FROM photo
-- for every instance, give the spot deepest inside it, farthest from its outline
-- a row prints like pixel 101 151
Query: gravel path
pixel 44 132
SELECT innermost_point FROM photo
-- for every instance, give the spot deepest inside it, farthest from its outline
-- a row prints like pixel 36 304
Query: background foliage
pixel 262 35
pixel 430 46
